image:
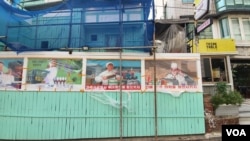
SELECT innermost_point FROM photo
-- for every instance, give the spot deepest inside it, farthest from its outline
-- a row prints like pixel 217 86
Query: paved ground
pixel 204 137
pixel 215 136
pixel 244 112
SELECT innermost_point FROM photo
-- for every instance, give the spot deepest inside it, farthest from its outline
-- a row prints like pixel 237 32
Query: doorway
pixel 241 76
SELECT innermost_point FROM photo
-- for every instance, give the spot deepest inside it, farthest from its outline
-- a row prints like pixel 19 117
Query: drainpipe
pixel 230 75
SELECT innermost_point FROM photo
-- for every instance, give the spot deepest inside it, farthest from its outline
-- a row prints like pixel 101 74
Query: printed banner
pixel 41 72
pixel 54 74
pixel 172 75
pixel 11 74
pixel 113 74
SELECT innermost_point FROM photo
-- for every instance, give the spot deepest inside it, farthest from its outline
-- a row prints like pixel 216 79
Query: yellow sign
pixel 196 2
pixel 214 46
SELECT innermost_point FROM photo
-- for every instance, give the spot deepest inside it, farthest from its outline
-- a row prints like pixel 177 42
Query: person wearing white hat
pixel 1 68
pixel 52 73
pixel 176 76
pixel 1 72
pixel 110 74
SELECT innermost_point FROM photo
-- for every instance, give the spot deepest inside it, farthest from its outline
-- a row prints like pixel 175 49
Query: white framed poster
pixel 111 74
pixel 54 74
pixel 11 71
pixel 82 71
pixel 174 73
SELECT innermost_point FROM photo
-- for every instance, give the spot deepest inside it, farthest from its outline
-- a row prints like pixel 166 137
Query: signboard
pixel 106 75
pixel 216 46
pixel 85 71
pixel 11 73
pixel 204 25
pixel 54 74
pixel 172 75
pixel 202 7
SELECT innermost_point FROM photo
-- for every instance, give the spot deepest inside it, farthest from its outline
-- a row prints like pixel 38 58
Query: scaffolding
pixel 77 23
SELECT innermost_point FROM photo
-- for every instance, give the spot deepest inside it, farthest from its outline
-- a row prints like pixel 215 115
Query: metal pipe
pixel 108 48
pixel 155 97
pixel 70 27
pixel 196 35
pixel 120 50
pixel 121 106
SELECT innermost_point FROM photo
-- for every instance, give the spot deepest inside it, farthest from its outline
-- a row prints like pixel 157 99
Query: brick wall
pixel 212 122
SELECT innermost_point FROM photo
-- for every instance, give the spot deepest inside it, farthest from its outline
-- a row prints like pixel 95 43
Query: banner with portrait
pixel 54 74
pixel 82 71
pixel 11 70
pixel 113 75
pixel 172 75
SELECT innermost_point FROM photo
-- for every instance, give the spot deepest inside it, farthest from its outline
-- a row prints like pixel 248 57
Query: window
pixel 238 1
pixel 246 2
pixel 236 29
pixel 205 34
pixel 213 69
pixel 239 28
pixel 230 2
pixel 93 37
pixel 224 28
pixel 187 1
pixel 44 44
pixel 222 5
pixel 246 28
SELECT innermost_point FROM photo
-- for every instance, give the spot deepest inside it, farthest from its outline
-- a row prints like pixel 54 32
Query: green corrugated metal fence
pixel 74 115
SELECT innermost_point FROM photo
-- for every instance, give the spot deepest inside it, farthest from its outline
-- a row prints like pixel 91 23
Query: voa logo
pixel 236 132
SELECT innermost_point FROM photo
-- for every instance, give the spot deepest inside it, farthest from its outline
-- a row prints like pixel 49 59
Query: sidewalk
pixel 214 136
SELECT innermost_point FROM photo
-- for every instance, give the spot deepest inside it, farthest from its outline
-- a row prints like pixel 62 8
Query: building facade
pixel 74 105
pixel 230 20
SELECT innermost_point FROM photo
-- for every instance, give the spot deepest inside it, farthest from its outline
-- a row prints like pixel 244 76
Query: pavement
pixel 213 136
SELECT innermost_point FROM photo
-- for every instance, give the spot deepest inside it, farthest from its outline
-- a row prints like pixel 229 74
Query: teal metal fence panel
pixel 180 115
pixel 75 115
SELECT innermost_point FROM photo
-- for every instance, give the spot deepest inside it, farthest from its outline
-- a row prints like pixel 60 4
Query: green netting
pixel 40 26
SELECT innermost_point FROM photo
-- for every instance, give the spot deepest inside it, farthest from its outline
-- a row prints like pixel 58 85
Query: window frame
pixel 222 5
pixel 236 31
pixel 187 1
pixel 246 34
pixel 223 28
pixel 222 74
pixel 205 34
pixel 243 32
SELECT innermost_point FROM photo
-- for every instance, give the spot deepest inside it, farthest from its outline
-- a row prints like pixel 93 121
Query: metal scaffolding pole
pixel 155 95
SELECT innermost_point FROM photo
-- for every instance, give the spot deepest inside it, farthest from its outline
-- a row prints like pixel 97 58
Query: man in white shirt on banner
pixel 52 73
pixel 176 76
pixel 109 76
